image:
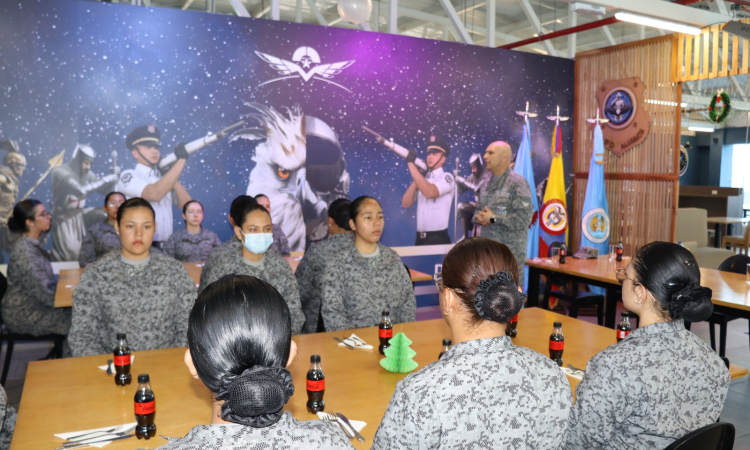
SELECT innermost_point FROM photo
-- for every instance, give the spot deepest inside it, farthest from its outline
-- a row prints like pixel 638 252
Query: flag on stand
pixel 595 218
pixel 553 214
pixel 524 168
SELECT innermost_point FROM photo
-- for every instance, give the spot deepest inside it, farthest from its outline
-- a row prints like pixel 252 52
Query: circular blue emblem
pixel 596 225
pixel 619 107
pixel 683 160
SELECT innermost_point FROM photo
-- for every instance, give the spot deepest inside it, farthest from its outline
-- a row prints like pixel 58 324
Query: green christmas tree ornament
pixel 398 357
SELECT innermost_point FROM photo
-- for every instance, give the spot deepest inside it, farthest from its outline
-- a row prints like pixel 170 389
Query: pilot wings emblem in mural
pixel 308 58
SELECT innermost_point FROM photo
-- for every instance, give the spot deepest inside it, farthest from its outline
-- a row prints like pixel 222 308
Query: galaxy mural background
pixel 86 72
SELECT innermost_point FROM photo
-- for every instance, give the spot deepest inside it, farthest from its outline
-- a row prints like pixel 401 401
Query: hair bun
pixel 692 303
pixel 257 397
pixel 497 298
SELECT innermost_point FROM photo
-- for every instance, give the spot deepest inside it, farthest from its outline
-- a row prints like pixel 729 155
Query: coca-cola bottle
pixel 385 331
pixel 145 409
pixel 623 328
pixel 618 251
pixel 122 361
pixel 316 386
pixel 512 328
pixel 446 346
pixel 563 253
pixel 557 344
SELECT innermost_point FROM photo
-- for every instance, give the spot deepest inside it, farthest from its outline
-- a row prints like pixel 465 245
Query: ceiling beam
pixel 450 11
pixel 531 15
pixel 393 16
pixel 490 23
pixel 239 8
pixel 665 10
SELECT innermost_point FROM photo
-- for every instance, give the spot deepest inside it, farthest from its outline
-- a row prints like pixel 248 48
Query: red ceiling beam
pixel 565 32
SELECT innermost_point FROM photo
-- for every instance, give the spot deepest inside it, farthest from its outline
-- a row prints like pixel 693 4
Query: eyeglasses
pixel 43 214
pixel 621 276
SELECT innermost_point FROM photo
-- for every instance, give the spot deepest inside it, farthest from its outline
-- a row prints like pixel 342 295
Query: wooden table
pixel 725 222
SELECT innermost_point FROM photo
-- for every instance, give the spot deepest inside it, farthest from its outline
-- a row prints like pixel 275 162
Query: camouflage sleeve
pixel 170 247
pixel 480 205
pixel 290 292
pixel 215 241
pixel 332 299
pixel 184 301
pixel 407 424
pixel 41 279
pixel 407 311
pixel 8 415
pixel 284 245
pixel 520 208
pixel 88 254
pixel 207 274
pixel 309 298
pixel 84 337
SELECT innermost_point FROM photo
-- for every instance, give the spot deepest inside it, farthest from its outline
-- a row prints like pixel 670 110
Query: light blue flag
pixel 524 168
pixel 595 218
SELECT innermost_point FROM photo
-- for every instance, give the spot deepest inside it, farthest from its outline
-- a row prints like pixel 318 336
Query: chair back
pixel 715 436
pixel 735 264
pixel 691 226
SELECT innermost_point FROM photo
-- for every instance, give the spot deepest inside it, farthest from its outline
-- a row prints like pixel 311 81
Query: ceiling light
pixel 702 128
pixel 658 23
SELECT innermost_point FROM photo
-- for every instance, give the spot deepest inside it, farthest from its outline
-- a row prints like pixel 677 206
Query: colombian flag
pixel 553 215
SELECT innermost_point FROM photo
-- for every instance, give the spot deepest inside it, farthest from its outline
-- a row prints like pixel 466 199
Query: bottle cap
pixel 143 378
pixel 386 312
pixel 447 342
pixel 120 336
pixel 558 324
pixel 315 359
pixel 625 314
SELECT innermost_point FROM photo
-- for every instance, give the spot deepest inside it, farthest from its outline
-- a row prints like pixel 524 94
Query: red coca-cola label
pixel 145 408
pixel 556 345
pixel 123 360
pixel 316 386
pixel 622 333
pixel 515 318
pixel 385 333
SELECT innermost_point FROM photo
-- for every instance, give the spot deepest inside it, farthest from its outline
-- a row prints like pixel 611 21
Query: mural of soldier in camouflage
pixel 11 170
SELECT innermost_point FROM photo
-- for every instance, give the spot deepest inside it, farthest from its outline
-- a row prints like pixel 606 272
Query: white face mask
pixel 257 243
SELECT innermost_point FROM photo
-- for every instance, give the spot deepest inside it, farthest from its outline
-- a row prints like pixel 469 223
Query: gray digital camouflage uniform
pixel 150 300
pixel 29 304
pixel 280 242
pixel 272 269
pixel 483 393
pixel 508 196
pixel 101 238
pixel 309 272
pixel 355 289
pixel 8 416
pixel 658 384
pixel 186 247
pixel 286 434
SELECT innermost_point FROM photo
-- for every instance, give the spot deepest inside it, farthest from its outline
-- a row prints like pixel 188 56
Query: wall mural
pixel 260 106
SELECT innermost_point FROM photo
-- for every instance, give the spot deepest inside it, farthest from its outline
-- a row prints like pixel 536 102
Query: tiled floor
pixel 736 409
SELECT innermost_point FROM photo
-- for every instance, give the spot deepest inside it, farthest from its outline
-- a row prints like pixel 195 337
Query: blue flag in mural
pixel 524 168
pixel 595 219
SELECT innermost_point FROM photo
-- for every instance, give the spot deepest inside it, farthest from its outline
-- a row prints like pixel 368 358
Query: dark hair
pixel 184 208
pixel 23 211
pixel 106 199
pixel 338 210
pixel 238 203
pixel 355 206
pixel 259 196
pixel 241 214
pixel 481 270
pixel 132 203
pixel 670 272
pixel 239 335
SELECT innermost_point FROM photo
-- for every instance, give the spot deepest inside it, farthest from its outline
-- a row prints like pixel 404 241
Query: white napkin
pixel 355 341
pixel 572 373
pixel 94 437
pixel 104 367
pixel 356 424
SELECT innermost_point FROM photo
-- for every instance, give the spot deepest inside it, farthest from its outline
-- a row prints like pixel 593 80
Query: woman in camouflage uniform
pixel 484 392
pixel 29 303
pixel 193 243
pixel 101 238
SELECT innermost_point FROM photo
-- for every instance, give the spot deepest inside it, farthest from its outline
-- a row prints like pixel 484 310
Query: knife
pixel 359 437
pixel 86 444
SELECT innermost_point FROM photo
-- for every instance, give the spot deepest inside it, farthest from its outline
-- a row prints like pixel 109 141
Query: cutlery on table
pixel 105 431
pixel 357 339
pixel 338 339
pixel 359 437
pixel 331 418
pixel 576 370
pixel 103 438
pixel 109 366
pixel 87 444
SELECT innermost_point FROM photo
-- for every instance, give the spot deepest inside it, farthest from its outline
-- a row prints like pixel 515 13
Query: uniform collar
pixel 437 172
pixel 479 346
pixel 672 326
pixel 146 169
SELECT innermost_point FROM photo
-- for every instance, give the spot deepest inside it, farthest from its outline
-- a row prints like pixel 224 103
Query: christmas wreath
pixel 724 110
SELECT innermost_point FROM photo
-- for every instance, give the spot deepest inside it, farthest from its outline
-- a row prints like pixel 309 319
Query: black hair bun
pixel 692 303
pixel 497 298
pixel 257 397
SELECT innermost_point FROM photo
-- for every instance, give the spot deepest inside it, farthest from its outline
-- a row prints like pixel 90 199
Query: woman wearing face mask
pixel 194 243
pixel 252 227
pixel 365 277
pixel 143 293
pixel 101 238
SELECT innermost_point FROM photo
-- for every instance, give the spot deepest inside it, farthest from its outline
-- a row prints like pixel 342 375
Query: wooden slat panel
pixel 745 48
pixel 724 55
pixel 734 70
pixel 695 72
pixel 688 57
pixel 714 52
pixel 704 60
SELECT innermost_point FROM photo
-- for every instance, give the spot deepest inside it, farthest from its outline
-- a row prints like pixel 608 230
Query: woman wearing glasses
pixel 484 392
pixel 101 238
pixel 660 382
pixel 29 304
pixel 365 277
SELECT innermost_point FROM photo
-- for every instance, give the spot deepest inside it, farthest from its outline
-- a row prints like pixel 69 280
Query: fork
pixel 108 430
pixel 329 418
pixel 109 437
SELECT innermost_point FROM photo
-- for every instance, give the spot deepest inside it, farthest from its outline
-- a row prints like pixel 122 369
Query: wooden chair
pixel 716 436
pixel 734 264
pixel 734 243
pixel 11 338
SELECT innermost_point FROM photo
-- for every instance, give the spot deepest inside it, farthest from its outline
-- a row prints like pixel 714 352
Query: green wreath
pixel 722 116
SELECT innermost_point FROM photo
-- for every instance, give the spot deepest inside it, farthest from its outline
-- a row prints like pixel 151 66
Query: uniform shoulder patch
pixel 126 177
pixel 448 178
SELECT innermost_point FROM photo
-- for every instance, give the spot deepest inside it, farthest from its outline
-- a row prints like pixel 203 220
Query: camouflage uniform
pixel 280 243
pixel 29 304
pixel 149 299
pixel 101 238
pixel 186 247
pixel 509 198
pixel 272 269
pixel 483 393
pixel 308 275
pixel 8 416
pixel 658 384
pixel 286 434
pixel 355 289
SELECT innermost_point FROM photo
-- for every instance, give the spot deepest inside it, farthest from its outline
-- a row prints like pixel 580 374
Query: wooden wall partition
pixel 711 54
pixel 642 184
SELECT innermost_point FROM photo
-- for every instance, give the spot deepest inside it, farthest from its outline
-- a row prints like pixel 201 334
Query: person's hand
pixel 411 156
pixel 483 217
pixel 180 151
